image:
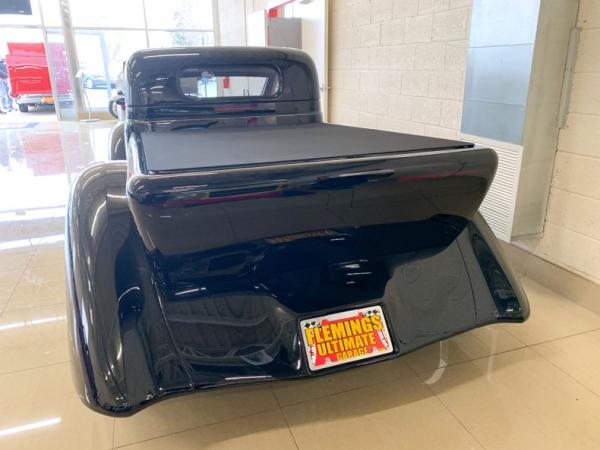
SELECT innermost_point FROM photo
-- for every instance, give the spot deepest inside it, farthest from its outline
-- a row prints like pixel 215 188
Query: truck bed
pixel 185 150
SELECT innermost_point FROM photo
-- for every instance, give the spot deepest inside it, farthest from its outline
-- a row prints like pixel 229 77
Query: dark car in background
pixel 95 81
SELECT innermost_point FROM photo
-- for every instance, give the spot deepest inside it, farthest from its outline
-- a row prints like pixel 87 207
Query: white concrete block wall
pixel 571 236
pixel 398 64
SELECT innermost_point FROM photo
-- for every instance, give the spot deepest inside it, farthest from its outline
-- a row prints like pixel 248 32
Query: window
pixel 107 13
pixel 108 32
pixel 103 52
pixel 102 55
pixel 51 13
pixel 160 39
pixel 213 82
pixel 179 14
pixel 18 35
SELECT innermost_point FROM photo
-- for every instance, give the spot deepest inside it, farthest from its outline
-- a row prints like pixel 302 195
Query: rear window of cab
pixel 211 82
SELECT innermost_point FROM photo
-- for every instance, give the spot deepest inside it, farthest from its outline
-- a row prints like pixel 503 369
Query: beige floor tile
pixel 50 252
pixel 552 316
pixel 33 337
pixel 296 391
pixel 51 271
pixel 20 233
pixel 39 286
pixel 398 414
pixel 27 386
pixel 2 305
pixel 8 282
pixel 191 411
pixel 266 431
pixel 478 343
pixel 579 356
pixel 518 400
pixel 45 413
pixel 11 260
pixel 33 225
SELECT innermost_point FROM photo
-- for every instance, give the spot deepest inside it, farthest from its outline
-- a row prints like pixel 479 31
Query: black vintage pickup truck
pixel 245 240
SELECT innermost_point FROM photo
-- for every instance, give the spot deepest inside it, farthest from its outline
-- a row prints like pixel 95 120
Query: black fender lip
pixel 132 348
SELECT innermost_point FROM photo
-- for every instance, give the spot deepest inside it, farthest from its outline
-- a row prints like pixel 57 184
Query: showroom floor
pixel 529 386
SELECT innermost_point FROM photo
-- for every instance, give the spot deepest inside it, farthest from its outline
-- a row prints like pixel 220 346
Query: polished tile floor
pixel 529 386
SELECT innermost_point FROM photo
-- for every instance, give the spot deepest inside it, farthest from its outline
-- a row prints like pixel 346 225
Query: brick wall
pixel 398 64
pixel 572 231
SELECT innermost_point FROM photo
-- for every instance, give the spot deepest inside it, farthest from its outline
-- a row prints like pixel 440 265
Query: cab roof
pixel 152 75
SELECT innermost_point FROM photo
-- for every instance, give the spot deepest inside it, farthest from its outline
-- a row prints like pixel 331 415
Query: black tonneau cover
pixel 229 147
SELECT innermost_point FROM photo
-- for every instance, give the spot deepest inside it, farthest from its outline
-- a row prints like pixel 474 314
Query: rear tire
pixel 23 108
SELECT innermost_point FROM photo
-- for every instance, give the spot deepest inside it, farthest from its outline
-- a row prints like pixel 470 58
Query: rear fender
pixel 145 325
pixel 107 296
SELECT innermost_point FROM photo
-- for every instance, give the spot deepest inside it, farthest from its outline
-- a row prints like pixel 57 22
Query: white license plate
pixel 345 337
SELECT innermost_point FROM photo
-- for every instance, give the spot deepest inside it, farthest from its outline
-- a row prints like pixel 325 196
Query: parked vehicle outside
pixel 95 81
pixel 29 77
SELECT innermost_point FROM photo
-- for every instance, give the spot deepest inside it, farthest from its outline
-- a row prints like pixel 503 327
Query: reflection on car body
pixel 245 240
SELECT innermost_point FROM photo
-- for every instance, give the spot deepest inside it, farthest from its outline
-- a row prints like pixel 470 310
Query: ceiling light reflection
pixel 18 243
pixel 25 323
pixel 96 215
pixel 30 426
pixel 54 238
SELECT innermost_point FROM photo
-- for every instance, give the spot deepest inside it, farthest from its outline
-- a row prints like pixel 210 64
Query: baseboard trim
pixel 568 284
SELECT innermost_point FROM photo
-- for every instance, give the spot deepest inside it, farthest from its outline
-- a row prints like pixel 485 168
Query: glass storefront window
pixel 107 13
pixel 105 35
pixel 101 56
pixel 180 14
pixel 181 39
pixel 57 61
pixel 18 35
pixel 51 12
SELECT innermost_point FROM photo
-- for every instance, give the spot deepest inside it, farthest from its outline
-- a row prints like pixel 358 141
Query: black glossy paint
pixel 152 94
pixel 186 281
pixel 116 139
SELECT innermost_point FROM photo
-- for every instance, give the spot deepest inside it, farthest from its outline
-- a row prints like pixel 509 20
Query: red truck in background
pixel 29 76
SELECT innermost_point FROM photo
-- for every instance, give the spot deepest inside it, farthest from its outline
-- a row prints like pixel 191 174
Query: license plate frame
pixel 345 337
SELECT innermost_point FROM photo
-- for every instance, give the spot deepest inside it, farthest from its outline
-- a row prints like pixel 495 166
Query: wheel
pixel 23 108
pixel 89 84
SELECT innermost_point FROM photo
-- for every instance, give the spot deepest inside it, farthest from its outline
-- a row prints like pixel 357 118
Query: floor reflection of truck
pixel 29 76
